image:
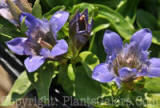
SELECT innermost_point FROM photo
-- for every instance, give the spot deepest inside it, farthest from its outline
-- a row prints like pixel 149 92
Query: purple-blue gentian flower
pixel 125 63
pixel 42 42
pixel 80 28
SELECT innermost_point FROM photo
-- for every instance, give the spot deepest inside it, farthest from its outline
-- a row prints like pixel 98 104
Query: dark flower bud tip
pixel 80 29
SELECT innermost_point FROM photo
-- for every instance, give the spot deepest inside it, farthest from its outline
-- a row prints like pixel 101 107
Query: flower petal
pixel 60 48
pixel 33 24
pixel 117 81
pixel 142 38
pixel 73 22
pixel 34 62
pixel 155 62
pixel 58 20
pixel 30 20
pixel 101 73
pixel 144 56
pixel 45 52
pixel 31 47
pixel 5 13
pixel 90 26
pixel 17 45
pixel 126 73
pixel 154 69
pixel 112 42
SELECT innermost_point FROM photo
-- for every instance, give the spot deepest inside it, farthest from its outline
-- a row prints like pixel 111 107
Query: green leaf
pixel 96 46
pixel 93 34
pixel 23 26
pixel 49 14
pixel 128 9
pixel 89 61
pixel 146 20
pixel 70 72
pixel 53 3
pixel 41 80
pixel 37 10
pixel 153 100
pixel 8 30
pixel 66 81
pixel 155 51
pixel 111 3
pixel 20 88
pixel 104 106
pixel 83 6
pixel 158 19
pixel 155 38
pixel 124 28
pixel 152 85
pixel 99 28
pixel 83 87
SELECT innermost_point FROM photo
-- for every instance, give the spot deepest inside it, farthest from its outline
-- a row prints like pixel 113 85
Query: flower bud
pixel 80 29
pixel 14 10
pixel 24 5
pixel 11 10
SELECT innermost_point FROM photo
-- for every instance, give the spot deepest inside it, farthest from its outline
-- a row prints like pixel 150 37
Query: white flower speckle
pixel 58 15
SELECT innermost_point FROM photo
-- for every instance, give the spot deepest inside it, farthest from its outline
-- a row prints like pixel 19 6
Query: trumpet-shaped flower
pixel 42 42
pixel 128 62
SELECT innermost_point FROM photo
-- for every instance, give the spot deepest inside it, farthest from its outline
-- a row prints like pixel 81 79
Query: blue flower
pixel 128 62
pixel 42 42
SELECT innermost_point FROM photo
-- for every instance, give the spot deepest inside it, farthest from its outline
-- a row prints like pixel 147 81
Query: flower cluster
pixel 126 63
pixel 42 44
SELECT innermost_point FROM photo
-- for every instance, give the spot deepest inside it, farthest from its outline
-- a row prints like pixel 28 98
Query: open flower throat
pixel 127 63
pixel 130 61
pixel 40 38
pixel 82 23
pixel 127 60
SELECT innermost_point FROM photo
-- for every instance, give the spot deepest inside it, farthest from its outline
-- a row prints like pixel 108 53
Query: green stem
pixel 92 42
